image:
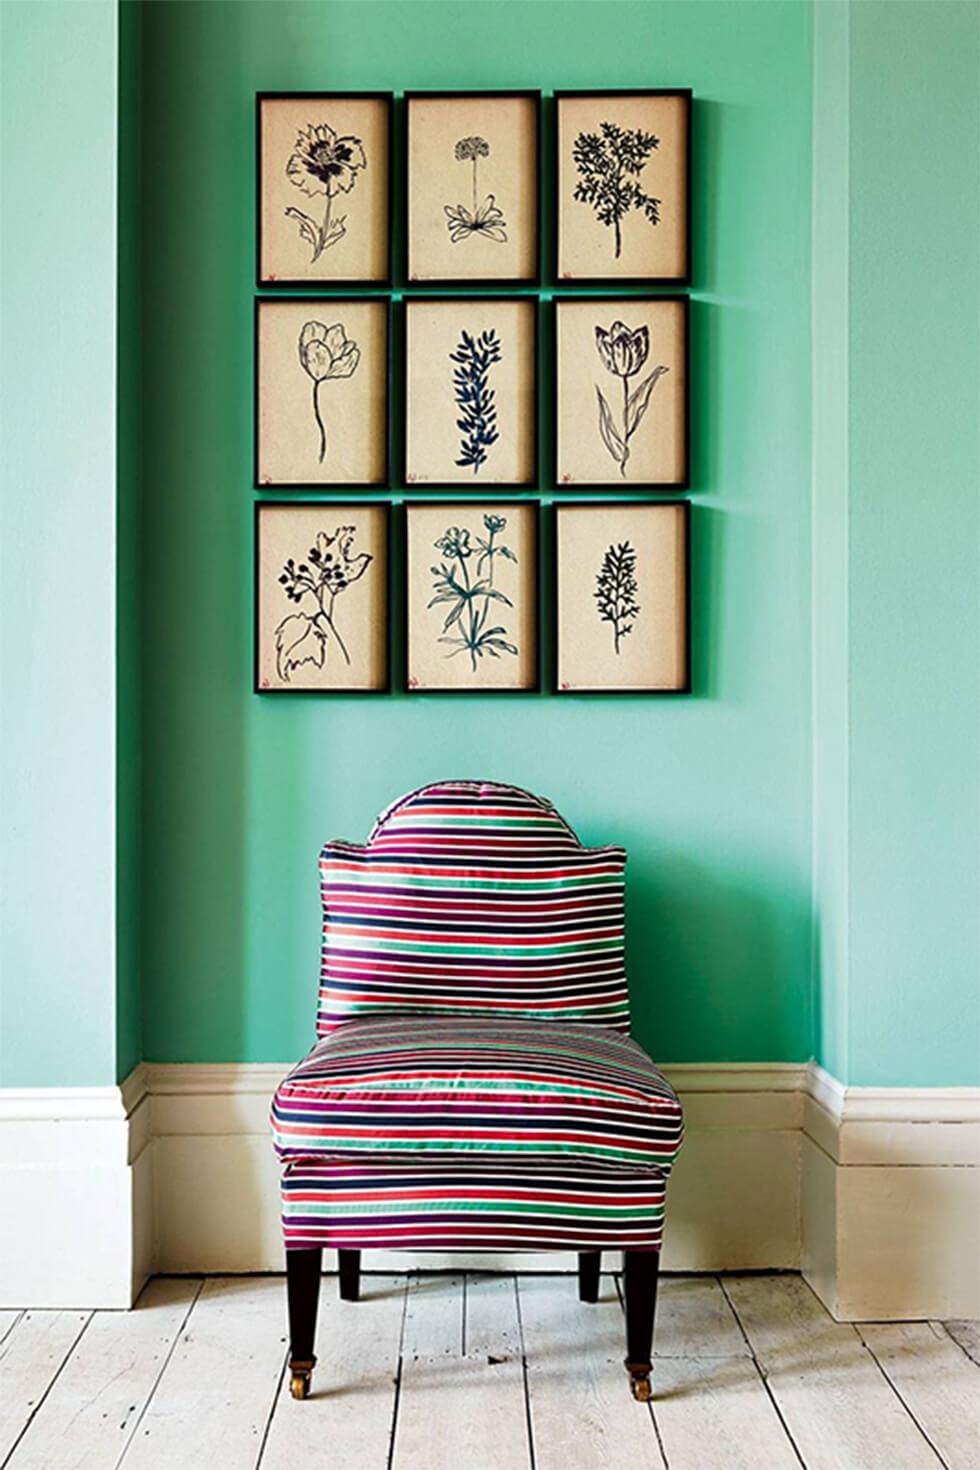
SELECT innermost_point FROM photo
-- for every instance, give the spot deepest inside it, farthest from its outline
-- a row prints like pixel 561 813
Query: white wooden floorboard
pixel 936 1381
pixel 31 1356
pixel 694 1320
pixel 839 1408
pixel 8 1319
pixel 354 1382
pixel 967 1335
pixel 714 1413
pixel 582 1412
pixel 461 1408
pixel 212 1404
pixel 93 1406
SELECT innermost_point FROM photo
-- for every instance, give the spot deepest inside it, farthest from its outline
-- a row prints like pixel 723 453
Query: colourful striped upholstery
pixel 472 899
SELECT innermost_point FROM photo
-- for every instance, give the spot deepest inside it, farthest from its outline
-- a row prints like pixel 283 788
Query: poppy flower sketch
pixel 485 219
pixel 326 352
pixel 470 598
pixel 322 163
pixel 623 354
pixel 303 637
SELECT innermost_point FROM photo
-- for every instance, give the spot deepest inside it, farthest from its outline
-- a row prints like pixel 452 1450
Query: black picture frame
pixel 559 508
pixel 588 282
pixel 486 489
pixel 472 504
pixel 472 283
pixel 642 487
pixel 324 486
pixel 337 505
pixel 308 283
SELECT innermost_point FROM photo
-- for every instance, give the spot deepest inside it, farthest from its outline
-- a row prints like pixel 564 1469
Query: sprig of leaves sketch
pixel 469 598
pixel 326 352
pixel 623 354
pixel 322 163
pixel 474 357
pixel 616 589
pixel 303 637
pixel 485 219
pixel 610 163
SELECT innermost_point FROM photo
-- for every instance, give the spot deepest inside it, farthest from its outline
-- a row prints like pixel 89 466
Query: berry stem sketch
pixel 610 163
pixel 303 637
pixel 623 353
pixel 470 597
pixel 485 219
pixel 616 589
pixel 322 163
pixel 474 357
pixel 325 353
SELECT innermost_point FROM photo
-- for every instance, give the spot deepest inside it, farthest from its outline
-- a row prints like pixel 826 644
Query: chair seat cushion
pixel 404 1088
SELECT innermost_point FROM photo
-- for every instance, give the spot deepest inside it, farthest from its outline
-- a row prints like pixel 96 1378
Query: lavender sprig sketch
pixel 484 219
pixel 470 597
pixel 303 637
pixel 325 353
pixel 610 163
pixel 322 163
pixel 616 589
pixel 623 354
pixel 477 423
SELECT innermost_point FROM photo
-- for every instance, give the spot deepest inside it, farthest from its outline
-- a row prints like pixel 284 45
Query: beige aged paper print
pixel 322 597
pixel 472 596
pixel 323 202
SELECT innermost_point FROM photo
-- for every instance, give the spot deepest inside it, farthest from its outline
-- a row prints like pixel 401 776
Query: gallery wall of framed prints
pixel 421 375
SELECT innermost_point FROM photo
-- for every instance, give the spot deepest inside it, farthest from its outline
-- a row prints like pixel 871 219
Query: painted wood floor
pixel 475 1372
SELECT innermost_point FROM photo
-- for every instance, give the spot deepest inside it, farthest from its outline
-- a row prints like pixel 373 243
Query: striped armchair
pixel 474 1085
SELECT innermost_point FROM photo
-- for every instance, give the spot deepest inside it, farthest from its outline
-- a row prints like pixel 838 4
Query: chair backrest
pixel 472 899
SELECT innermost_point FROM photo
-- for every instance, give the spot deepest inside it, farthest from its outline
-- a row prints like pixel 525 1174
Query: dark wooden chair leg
pixel 589 1263
pixel 349 1263
pixel 640 1270
pixel 303 1295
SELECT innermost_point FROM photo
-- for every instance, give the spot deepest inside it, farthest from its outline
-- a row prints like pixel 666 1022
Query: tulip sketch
pixel 623 354
pixel 326 352
pixel 485 219
pixel 315 585
pixel 322 163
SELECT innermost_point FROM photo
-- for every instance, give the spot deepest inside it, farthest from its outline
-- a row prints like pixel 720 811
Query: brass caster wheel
pixel 300 1377
pixel 640 1385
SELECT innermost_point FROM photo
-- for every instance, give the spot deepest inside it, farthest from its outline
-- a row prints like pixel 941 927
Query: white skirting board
pixel 873 1193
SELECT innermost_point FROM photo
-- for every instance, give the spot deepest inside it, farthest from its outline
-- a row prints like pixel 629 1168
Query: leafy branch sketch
pixel 623 353
pixel 610 163
pixel 469 598
pixel 485 219
pixel 474 357
pixel 322 163
pixel 616 590
pixel 326 352
pixel 302 638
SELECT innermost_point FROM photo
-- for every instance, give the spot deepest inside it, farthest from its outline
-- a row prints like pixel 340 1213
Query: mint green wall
pixel 711 794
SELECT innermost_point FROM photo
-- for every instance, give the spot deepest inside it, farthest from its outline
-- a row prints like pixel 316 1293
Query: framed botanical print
pixel 470 391
pixel 323 195
pixel 621 387
pixel 473 184
pixel 622 597
pixel 623 187
pixel 471 590
pixel 322 593
pixel 321 391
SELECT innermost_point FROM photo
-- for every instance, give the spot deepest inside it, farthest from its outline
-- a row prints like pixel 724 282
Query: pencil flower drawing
pixel 469 591
pixel 623 353
pixel 322 163
pixel 477 423
pixel 326 352
pixel 610 163
pixel 616 589
pixel 304 637
pixel 484 219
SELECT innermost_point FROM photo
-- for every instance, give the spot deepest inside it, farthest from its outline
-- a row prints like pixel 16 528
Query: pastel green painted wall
pixel 711 794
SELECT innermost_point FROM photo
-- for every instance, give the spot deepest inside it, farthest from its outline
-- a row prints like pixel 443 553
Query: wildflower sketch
pixel 322 163
pixel 303 637
pixel 623 354
pixel 470 598
pixel 610 163
pixel 616 589
pixel 326 352
pixel 484 219
pixel 474 357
